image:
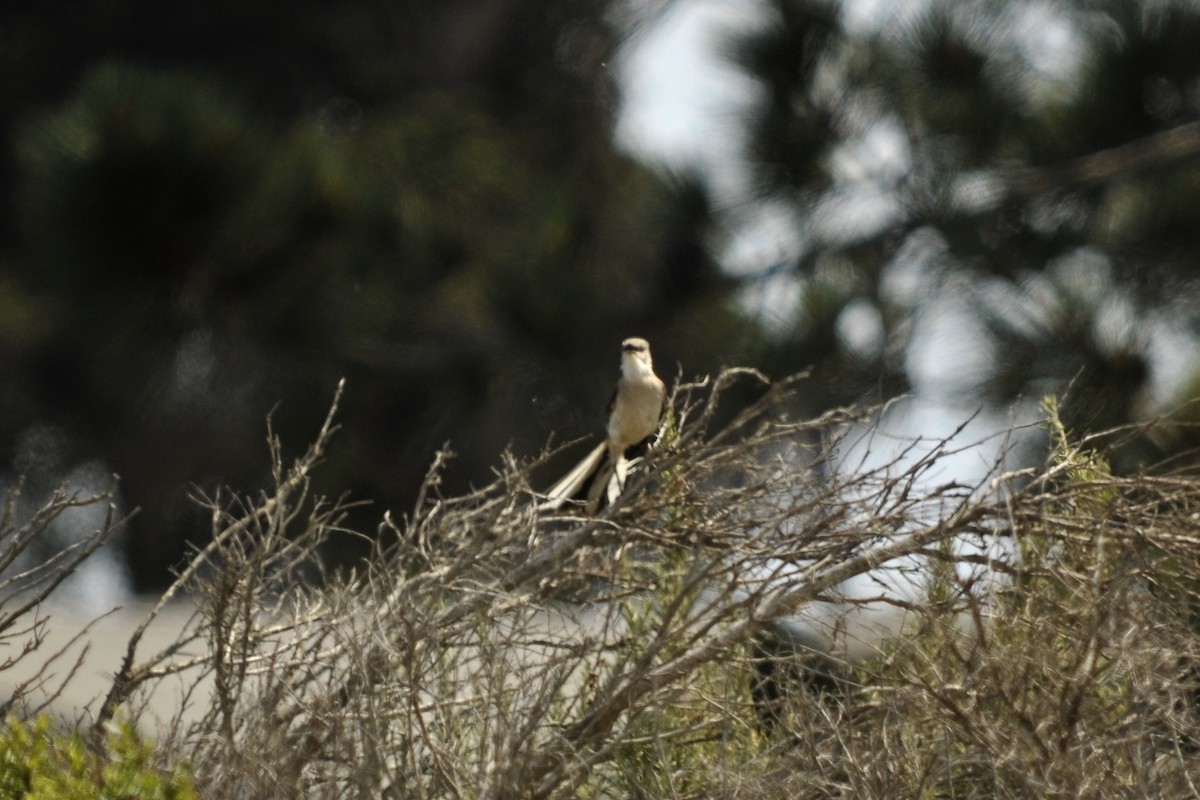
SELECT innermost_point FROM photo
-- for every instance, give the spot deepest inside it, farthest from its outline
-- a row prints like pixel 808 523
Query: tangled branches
pixel 1038 636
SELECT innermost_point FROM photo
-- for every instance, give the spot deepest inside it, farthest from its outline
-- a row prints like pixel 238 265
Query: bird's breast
pixel 635 413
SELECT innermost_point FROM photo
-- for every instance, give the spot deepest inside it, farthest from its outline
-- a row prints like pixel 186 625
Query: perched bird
pixel 634 413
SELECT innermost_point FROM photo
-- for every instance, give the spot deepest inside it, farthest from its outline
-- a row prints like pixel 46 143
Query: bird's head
pixel 635 357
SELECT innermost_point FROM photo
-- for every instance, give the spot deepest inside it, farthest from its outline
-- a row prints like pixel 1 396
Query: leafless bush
pixel 1078 677
pixel 27 582
pixel 487 650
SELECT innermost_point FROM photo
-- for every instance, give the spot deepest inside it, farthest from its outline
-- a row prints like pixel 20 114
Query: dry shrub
pixel 29 579
pixel 486 650
pixel 1077 676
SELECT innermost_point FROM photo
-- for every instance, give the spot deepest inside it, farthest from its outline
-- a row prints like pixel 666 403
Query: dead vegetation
pixel 487 650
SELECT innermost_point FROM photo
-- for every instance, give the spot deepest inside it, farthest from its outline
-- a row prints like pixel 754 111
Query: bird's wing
pixel 570 484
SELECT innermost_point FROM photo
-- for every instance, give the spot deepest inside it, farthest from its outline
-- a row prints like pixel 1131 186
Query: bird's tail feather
pixel 594 483
pixel 571 484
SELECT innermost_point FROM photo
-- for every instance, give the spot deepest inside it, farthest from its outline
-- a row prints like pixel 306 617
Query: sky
pixel 682 103
pixel 684 107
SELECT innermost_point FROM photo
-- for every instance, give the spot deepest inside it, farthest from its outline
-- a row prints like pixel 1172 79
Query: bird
pixel 634 414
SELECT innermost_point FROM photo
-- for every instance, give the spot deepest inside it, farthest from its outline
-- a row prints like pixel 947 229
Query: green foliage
pixel 39 763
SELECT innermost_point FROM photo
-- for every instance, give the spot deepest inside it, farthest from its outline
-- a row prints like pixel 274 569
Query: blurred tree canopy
pixel 215 210
pixel 1030 168
pixel 212 210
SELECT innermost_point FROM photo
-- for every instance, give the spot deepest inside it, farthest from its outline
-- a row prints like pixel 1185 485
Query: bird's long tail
pixel 594 483
pixel 571 486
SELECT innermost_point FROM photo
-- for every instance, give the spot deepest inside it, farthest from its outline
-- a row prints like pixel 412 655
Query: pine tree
pixel 1030 167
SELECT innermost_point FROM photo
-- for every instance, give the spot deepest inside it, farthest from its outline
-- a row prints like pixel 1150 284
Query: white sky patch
pixel 854 212
pixel 1172 350
pixel 1040 45
pixel 915 270
pixel 1117 325
pixel 764 238
pixel 684 104
pixel 949 354
pixel 1085 274
pixel 860 329
pixel 764 248
pixel 772 301
pixel 870 17
pixel 976 191
pixel 881 154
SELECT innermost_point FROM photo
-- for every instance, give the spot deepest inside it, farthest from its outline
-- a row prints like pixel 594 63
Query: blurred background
pixel 212 211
